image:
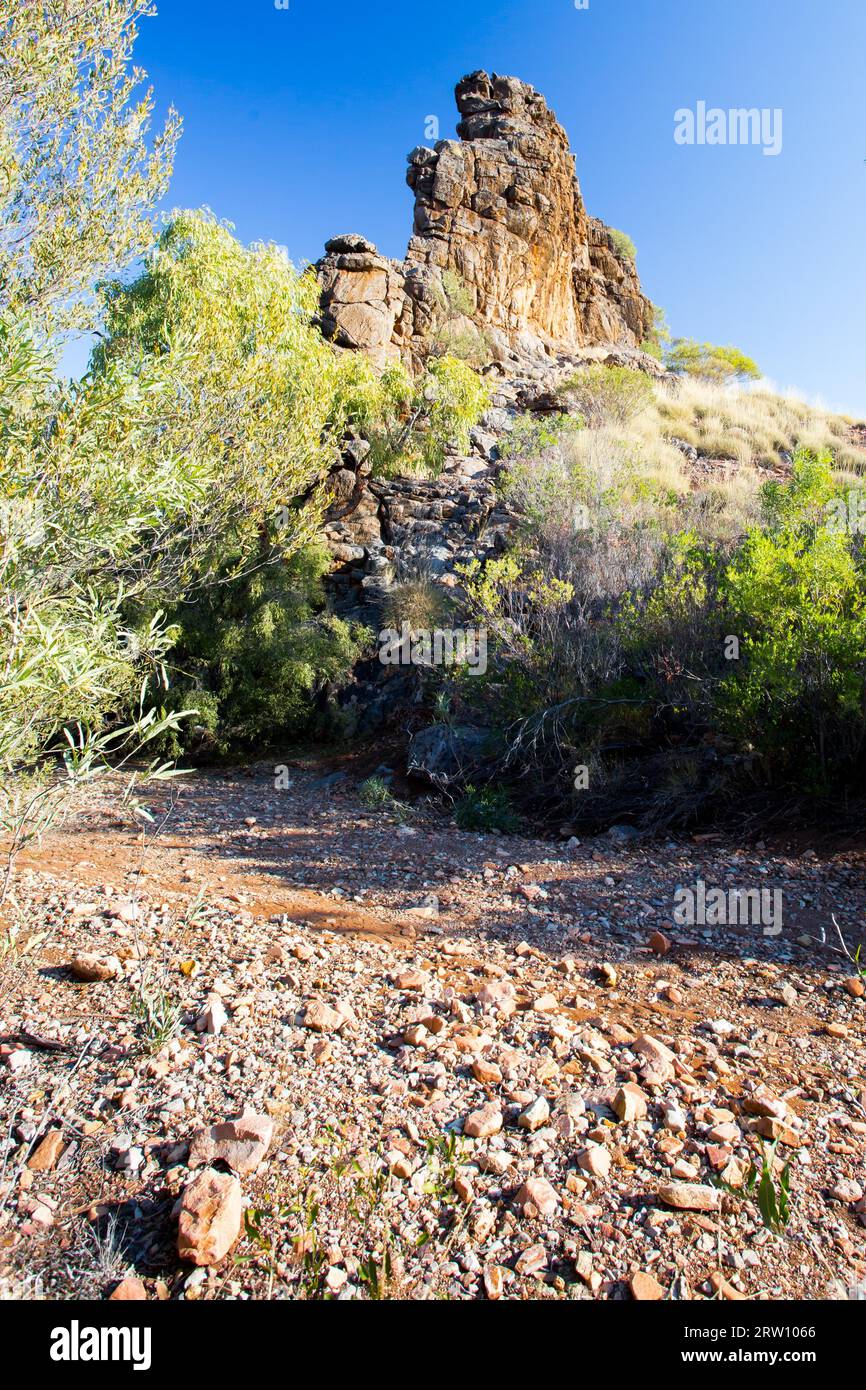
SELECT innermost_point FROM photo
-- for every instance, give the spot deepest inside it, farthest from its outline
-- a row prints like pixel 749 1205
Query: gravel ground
pixel 467 1066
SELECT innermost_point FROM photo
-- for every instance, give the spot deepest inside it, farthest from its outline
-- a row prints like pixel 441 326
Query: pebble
pixel 94 969
pixel 847 1190
pixel 483 1123
pixel 535 1116
pixel 538 1193
pixel 321 1018
pixel 645 1288
pixel 595 1159
pixel 689 1196
pixel 630 1103
pixel 213 1017
pixel 129 1290
pixel 48 1152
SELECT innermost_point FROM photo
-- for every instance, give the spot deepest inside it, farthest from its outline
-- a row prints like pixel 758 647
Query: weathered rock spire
pixel 501 209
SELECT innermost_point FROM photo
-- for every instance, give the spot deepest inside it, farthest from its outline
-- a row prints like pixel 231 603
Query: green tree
pixel 78 174
pixel 189 456
pixel 256 413
pixel 709 362
pixel 797 593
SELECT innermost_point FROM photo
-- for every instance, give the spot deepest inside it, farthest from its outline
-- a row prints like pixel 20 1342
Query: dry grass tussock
pixel 752 426
pixel 625 469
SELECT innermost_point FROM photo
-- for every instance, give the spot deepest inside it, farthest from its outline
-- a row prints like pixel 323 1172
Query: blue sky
pixel 298 123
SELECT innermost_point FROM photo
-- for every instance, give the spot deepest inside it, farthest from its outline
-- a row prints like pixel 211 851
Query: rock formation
pixel 504 250
pixel 498 212
pixel 363 297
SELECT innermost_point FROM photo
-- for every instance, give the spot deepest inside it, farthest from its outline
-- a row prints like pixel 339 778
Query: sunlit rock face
pixel 501 209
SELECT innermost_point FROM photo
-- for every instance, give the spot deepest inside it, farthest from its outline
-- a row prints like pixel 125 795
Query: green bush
pixel 77 533
pixel 410 421
pixel 623 244
pixel 485 810
pixel 252 656
pixel 138 497
pixel 725 666
pixel 797 595
pixel 790 692
pixel 533 435
pixel 608 395
pixel 374 794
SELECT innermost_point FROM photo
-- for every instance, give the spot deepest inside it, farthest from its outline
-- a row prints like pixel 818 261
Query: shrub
pixel 252 656
pixel 672 629
pixel 374 793
pixel 418 601
pixel 709 362
pixel 595 484
pixel 803 499
pixel 455 398
pixel 217 397
pixel 532 436
pixel 410 422
pixel 486 810
pixel 622 244
pixel 457 294
pixel 609 645
pixel 797 594
pixel 77 535
pixel 608 395
pixel 538 644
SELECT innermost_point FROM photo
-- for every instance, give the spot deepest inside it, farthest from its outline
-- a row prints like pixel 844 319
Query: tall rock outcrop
pixel 498 212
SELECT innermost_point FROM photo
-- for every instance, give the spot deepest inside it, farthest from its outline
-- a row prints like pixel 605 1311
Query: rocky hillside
pixel 501 209
pixel 382 532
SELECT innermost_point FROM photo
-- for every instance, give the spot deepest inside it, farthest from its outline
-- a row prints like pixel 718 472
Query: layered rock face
pixel 500 209
pixel 363 296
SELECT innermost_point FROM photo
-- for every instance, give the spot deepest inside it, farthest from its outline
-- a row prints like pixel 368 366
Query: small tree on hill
pixel 709 362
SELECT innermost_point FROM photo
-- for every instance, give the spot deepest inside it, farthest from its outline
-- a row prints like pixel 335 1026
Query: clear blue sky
pixel 298 123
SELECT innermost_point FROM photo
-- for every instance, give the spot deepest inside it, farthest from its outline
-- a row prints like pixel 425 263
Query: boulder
pixel 210 1218
pixel 240 1143
pixel 446 755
